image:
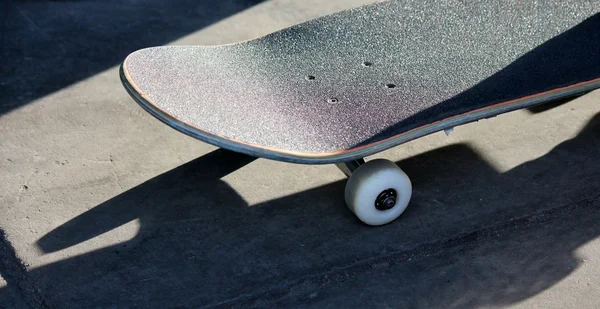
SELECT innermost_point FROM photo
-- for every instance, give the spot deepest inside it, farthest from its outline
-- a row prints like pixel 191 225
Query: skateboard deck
pixel 358 82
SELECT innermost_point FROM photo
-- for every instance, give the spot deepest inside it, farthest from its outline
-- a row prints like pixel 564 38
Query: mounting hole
pixel 390 86
pixel 332 100
pixel 310 77
pixel 367 63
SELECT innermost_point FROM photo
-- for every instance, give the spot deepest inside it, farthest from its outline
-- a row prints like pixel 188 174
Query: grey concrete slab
pixel 108 208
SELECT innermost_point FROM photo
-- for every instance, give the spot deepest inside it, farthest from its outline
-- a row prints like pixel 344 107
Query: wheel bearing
pixel 386 200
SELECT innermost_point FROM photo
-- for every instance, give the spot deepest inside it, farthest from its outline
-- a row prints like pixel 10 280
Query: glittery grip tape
pixel 365 75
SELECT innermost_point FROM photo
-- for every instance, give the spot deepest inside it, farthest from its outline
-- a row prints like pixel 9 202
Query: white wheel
pixel 378 192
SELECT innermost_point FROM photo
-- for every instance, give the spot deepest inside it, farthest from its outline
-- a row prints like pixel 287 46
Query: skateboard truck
pixel 350 166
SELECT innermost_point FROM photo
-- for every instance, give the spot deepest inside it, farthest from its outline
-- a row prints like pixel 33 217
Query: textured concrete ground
pixel 102 206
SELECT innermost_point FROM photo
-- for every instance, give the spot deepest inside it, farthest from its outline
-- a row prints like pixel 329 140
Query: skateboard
pixel 349 85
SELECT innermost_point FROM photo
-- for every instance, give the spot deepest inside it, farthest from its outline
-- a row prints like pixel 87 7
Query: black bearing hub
pixel 386 200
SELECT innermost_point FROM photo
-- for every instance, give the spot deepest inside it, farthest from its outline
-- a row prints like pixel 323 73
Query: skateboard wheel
pixel 378 192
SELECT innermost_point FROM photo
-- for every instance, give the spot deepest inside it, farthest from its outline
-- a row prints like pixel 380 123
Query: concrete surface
pixel 102 206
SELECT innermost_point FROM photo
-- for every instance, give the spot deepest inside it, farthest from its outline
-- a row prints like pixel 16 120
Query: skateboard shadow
pixel 49 45
pixel 549 106
pixel 571 57
pixel 472 237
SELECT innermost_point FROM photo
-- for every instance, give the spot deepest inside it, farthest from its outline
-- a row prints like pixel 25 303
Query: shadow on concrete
pixel 552 105
pixel 11 272
pixel 569 58
pixel 472 237
pixel 49 45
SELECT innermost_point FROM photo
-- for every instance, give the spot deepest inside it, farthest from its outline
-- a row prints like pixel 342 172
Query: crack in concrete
pixel 113 168
pixel 117 180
